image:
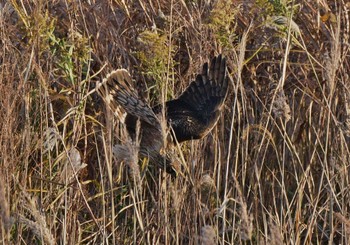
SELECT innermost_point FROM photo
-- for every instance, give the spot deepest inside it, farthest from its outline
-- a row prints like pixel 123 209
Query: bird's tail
pixel 116 89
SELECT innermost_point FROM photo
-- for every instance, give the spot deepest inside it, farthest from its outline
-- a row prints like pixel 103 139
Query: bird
pixel 191 116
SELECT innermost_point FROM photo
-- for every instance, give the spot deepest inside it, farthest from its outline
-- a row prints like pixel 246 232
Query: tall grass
pixel 275 169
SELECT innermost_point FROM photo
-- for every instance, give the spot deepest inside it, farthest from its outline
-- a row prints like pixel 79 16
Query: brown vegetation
pixel 275 169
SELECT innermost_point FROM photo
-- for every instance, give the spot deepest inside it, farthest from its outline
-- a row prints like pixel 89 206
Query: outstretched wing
pixel 195 112
pixel 116 90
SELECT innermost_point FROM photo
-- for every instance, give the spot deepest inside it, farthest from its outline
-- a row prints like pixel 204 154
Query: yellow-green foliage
pixel 222 22
pixel 68 53
pixel 37 27
pixel 276 7
pixel 279 15
pixel 71 53
pixel 154 58
pixel 153 55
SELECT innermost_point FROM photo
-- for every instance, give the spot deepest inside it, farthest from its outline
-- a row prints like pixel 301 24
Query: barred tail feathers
pixel 116 90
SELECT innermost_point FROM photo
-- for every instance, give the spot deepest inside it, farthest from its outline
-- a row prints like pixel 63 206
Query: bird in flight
pixel 191 116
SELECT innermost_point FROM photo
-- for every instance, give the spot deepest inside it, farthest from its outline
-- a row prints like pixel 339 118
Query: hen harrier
pixel 191 116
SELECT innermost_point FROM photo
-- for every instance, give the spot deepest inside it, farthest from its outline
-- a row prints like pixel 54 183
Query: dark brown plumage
pixel 191 116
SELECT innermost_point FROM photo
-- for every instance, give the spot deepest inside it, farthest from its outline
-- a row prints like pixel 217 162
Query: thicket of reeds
pixel 275 169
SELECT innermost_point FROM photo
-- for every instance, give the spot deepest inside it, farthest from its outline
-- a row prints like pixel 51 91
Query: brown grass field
pixel 274 170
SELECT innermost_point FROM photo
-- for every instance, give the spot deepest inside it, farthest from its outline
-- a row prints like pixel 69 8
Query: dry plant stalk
pixel 4 207
pixel 294 170
pixel 39 226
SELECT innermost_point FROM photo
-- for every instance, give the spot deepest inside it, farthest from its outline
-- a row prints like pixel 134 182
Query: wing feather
pixel 116 90
pixel 195 112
